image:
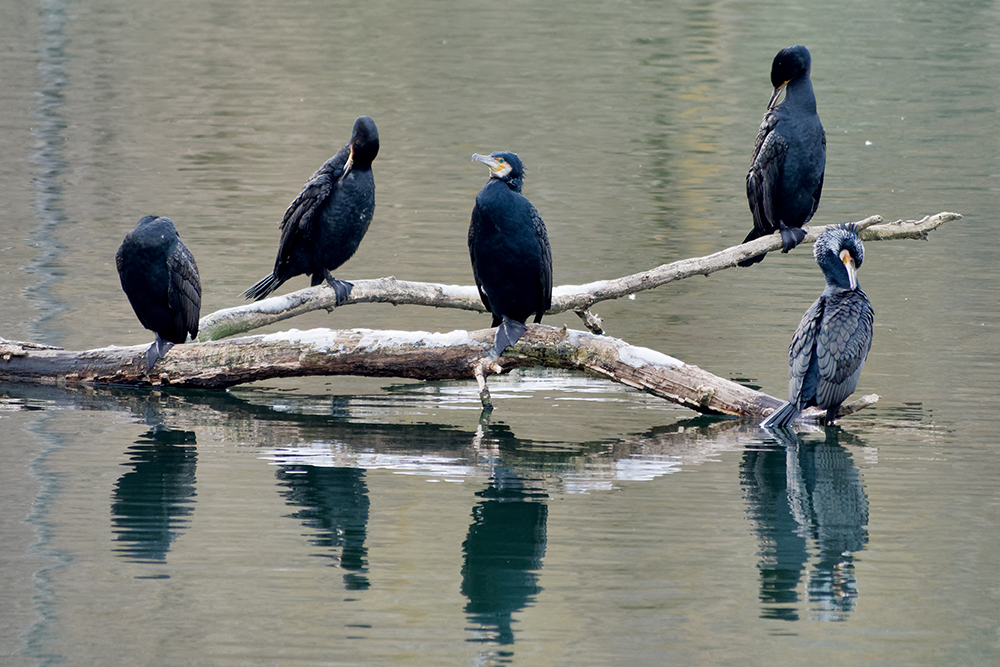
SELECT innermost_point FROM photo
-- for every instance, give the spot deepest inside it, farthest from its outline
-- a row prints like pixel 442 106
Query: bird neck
pixel 799 94
pixel 838 283
pixel 512 183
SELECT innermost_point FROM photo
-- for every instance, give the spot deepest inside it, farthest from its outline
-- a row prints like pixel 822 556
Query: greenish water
pixel 353 521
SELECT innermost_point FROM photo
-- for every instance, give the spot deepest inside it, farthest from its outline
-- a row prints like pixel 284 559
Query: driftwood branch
pixel 409 354
pixel 578 298
pixel 437 356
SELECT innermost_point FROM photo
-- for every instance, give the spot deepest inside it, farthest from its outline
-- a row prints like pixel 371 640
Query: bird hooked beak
pixel 498 167
pixel 348 164
pixel 774 96
pixel 852 271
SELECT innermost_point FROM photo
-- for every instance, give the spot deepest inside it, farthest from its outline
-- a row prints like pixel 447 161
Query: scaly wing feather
pixel 843 346
pixel 545 276
pixel 184 287
pixel 802 353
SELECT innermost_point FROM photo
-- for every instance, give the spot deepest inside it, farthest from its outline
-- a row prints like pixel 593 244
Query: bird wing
pixel 843 345
pixel 545 276
pixel 802 376
pixel 766 167
pixel 819 186
pixel 473 230
pixel 184 287
pixel 299 214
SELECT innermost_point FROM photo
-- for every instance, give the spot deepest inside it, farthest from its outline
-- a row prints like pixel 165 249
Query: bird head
pixel 840 253
pixel 504 166
pixel 788 65
pixel 364 143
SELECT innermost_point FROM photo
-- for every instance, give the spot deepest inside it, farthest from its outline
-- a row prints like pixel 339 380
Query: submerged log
pixel 409 354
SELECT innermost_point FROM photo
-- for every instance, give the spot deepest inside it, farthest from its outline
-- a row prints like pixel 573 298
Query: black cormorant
pixel 511 257
pixel 789 157
pixel 323 227
pixel 832 341
pixel 161 281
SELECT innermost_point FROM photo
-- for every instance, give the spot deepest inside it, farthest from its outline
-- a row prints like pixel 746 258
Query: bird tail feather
pixel 508 333
pixel 263 288
pixel 783 416
pixel 755 233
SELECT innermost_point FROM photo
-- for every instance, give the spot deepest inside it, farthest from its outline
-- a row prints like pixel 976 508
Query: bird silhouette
pixel 832 341
pixel 161 281
pixel 324 226
pixel 789 157
pixel 509 248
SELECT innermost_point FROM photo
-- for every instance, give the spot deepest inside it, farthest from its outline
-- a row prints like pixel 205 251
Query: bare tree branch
pixel 437 356
pixel 233 321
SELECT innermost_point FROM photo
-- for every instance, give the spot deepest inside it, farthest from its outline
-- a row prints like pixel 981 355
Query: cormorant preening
pixel 511 257
pixel 789 157
pixel 161 281
pixel 323 227
pixel 832 341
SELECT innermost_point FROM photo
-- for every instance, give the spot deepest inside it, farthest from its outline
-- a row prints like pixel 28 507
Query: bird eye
pixel 500 160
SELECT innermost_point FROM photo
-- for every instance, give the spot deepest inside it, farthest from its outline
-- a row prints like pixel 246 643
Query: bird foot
pixel 790 236
pixel 508 332
pixel 341 288
pixel 157 349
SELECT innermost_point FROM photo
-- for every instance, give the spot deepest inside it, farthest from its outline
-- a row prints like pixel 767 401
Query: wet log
pixel 578 298
pixel 408 354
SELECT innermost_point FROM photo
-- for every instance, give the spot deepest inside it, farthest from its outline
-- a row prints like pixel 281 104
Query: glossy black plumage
pixel 789 157
pixel 832 341
pixel 509 248
pixel 160 279
pixel 324 226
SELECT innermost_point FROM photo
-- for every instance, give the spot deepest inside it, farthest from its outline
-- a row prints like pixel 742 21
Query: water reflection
pixel 334 503
pixel 49 129
pixel 503 553
pixel 802 493
pixel 152 501
pixel 505 544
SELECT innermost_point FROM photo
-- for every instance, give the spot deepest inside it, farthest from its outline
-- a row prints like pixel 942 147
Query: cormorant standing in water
pixel 832 341
pixel 323 227
pixel 789 157
pixel 511 257
pixel 161 281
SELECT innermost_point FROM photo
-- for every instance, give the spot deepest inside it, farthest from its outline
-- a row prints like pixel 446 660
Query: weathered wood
pixel 241 319
pixel 409 354
pixel 437 356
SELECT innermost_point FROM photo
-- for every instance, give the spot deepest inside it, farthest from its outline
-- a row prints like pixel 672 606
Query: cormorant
pixel 832 341
pixel 509 247
pixel 323 227
pixel 789 158
pixel 161 281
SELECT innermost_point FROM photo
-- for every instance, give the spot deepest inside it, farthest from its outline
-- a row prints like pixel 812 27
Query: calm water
pixel 350 521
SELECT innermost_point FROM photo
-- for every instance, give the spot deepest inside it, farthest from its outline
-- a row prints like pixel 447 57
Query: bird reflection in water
pixel 152 501
pixel 334 503
pixel 799 494
pixel 503 553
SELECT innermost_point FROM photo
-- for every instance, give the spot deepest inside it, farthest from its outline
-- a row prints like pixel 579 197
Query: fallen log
pixel 408 354
pixel 211 363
